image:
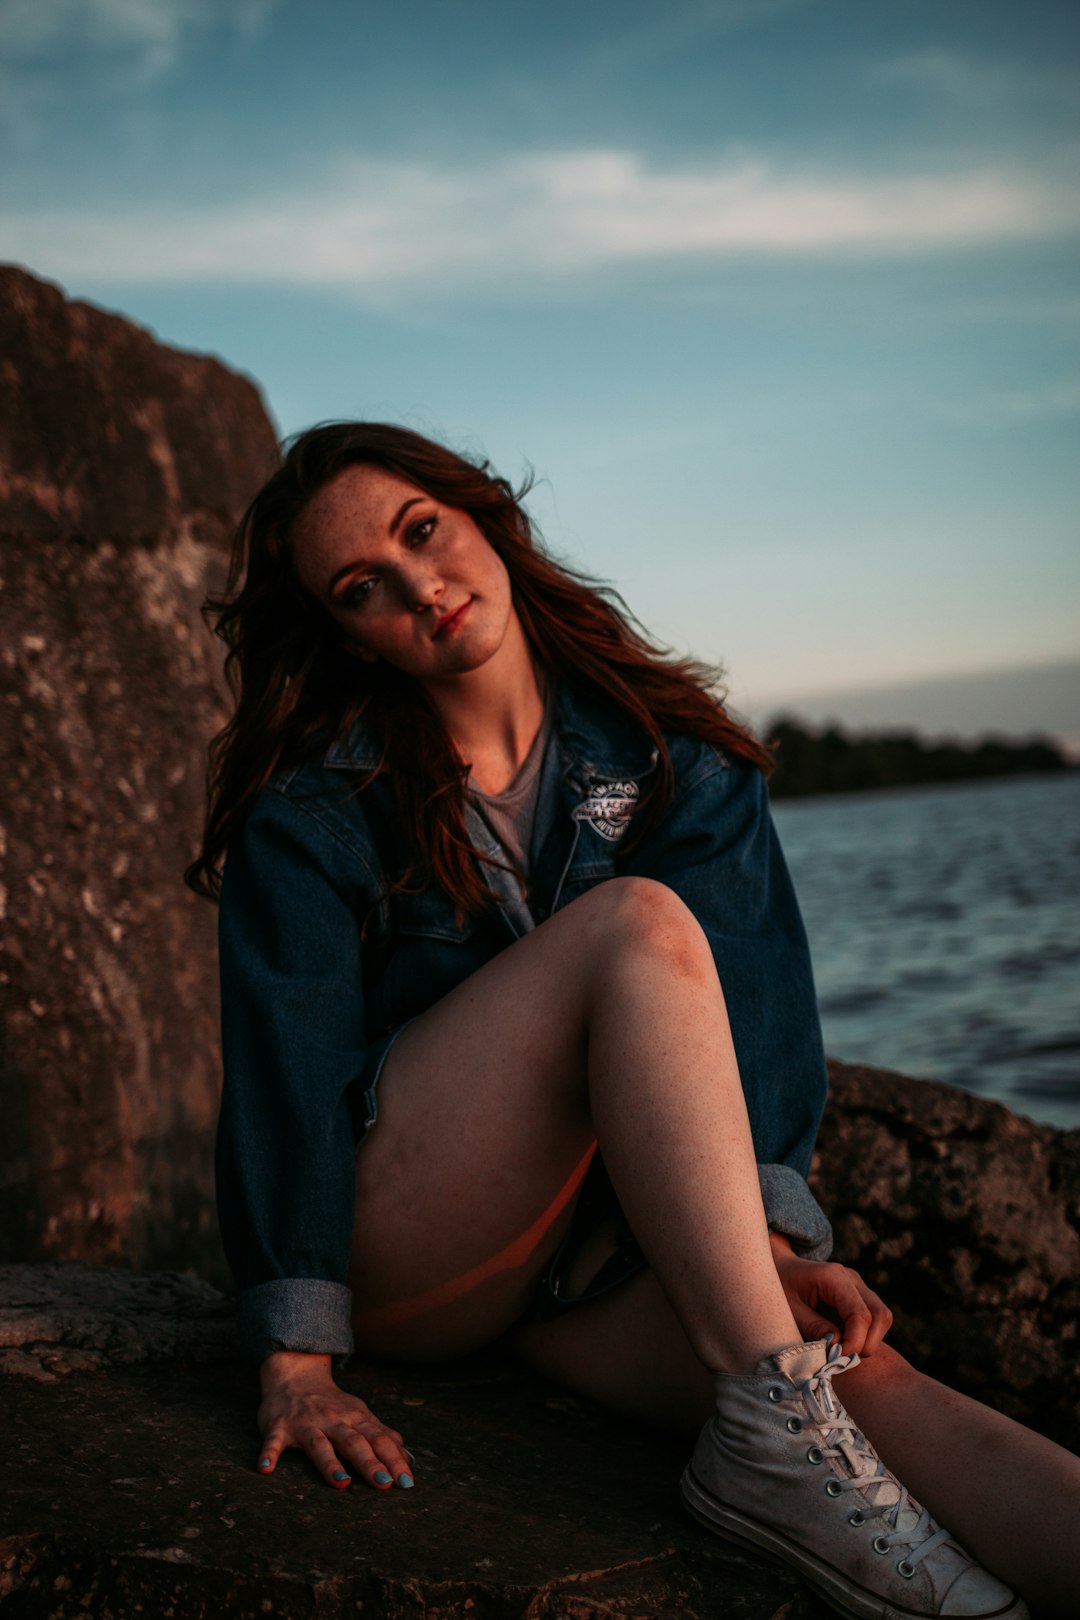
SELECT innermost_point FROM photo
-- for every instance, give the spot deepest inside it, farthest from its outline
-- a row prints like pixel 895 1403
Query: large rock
pixel 123 468
pixel 60 1319
pixel 132 1489
pixel 966 1219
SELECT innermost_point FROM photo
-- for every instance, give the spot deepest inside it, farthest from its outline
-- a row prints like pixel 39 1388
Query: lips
pixel 450 620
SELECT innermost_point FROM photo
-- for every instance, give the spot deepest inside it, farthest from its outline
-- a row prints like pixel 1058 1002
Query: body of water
pixel 944 924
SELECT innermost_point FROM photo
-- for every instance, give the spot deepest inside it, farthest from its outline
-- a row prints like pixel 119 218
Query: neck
pixel 493 713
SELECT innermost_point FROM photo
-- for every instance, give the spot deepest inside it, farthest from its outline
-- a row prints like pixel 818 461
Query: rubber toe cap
pixel 980 1596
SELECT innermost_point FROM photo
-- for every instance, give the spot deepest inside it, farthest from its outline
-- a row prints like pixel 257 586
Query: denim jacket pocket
pixel 429 952
pixel 428 915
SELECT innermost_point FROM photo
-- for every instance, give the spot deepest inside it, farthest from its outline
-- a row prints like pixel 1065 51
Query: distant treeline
pixel 829 761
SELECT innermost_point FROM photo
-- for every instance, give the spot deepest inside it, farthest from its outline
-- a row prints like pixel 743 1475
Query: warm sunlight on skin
pixel 415 582
pixel 516 1256
pixel 408 580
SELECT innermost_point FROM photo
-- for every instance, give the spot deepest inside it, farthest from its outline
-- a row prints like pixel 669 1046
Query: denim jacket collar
pixel 596 743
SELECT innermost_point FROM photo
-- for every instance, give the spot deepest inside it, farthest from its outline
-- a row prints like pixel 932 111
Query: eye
pixel 423 530
pixel 356 594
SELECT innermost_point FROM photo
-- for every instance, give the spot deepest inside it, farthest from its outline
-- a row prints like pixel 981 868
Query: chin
pixel 469 658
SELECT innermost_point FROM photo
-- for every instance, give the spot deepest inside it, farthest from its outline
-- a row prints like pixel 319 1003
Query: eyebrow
pixel 395 524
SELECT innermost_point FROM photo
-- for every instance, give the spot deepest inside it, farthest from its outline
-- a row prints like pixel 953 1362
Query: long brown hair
pixel 297 687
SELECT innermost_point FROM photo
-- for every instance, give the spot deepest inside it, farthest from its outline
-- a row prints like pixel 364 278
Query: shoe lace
pixel 883 1491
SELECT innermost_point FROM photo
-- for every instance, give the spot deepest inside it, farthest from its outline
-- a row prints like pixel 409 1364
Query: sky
pixel 778 299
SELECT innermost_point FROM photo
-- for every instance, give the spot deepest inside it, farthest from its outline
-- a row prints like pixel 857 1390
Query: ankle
pixel 742 1357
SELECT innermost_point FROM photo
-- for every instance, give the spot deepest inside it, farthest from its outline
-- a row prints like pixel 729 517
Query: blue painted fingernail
pixel 339 1473
pixel 405 1481
pixel 264 1462
pixel 383 1478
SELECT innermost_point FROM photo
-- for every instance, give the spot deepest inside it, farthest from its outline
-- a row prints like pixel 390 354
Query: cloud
pixel 387 230
pixel 975 83
pixel 149 33
pixel 1051 402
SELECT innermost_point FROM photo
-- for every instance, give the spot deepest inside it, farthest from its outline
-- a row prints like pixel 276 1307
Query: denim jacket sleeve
pixel 717 848
pixel 297 1075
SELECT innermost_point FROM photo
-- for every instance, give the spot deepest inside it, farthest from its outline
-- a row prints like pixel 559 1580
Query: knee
pixel 645 917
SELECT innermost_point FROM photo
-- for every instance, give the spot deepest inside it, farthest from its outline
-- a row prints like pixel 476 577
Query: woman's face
pixel 407 579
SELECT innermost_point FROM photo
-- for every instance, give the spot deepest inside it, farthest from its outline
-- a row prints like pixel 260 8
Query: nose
pixel 422 588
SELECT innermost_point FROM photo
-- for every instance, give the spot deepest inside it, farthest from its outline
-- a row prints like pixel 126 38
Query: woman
pixel 503 908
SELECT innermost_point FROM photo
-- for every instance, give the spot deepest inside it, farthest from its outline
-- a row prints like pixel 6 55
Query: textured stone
pixel 966 1219
pixel 108 435
pixel 136 1486
pixel 123 467
pixel 58 1319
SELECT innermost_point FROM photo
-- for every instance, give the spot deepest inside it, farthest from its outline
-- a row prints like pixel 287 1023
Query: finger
pixel 878 1317
pixel 363 1461
pixel 881 1320
pixel 374 1455
pixel 273 1445
pixel 857 1324
pixel 840 1288
pixel 325 1458
pixel 810 1323
pixel 391 1453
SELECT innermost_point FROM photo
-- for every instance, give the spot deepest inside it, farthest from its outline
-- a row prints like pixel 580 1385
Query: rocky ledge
pixel 133 1491
pixel 129 1485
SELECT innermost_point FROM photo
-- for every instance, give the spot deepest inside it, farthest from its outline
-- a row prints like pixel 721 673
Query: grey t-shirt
pixel 508 819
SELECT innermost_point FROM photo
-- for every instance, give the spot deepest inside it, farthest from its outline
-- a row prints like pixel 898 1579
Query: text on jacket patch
pixel 608 807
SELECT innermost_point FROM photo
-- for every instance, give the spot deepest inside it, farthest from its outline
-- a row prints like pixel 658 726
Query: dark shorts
pixel 596 1203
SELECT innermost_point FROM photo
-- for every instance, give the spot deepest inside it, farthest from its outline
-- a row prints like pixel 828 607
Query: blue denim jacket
pixel 309 1010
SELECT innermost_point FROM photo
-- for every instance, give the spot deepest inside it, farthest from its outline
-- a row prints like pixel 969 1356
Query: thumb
pixel 810 1324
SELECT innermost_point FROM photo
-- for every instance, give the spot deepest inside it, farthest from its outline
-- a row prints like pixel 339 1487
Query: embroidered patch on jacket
pixel 608 808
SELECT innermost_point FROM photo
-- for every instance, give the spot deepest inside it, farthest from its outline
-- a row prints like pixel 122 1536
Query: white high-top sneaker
pixel 783 1469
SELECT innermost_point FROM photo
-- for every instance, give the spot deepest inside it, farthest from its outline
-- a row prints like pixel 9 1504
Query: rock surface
pixel 966 1219
pixel 123 467
pixel 57 1319
pixel 136 1487
pixel 131 1482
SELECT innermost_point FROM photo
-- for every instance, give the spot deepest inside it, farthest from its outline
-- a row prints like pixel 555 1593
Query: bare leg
pixel 1010 1496
pixel 607 1022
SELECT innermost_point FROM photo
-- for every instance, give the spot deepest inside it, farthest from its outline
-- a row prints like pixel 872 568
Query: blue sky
pixel 780 299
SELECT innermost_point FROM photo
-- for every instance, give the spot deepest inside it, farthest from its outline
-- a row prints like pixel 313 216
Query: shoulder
pixel 314 811
pixel 696 761
pixel 609 743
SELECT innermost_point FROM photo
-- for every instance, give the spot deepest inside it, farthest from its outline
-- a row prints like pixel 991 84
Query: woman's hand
pixel 302 1406
pixel 824 1296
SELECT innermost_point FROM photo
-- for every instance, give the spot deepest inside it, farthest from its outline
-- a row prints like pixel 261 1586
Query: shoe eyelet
pixel 857 1518
pixel 905 1569
pixel 832 1487
pixel 776 1393
pixel 794 1426
pixel 814 1455
pixel 879 1544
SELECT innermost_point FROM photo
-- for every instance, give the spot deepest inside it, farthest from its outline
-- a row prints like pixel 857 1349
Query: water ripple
pixel 945 931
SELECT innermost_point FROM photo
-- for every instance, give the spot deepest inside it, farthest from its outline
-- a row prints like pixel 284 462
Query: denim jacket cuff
pixel 792 1209
pixel 296 1313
